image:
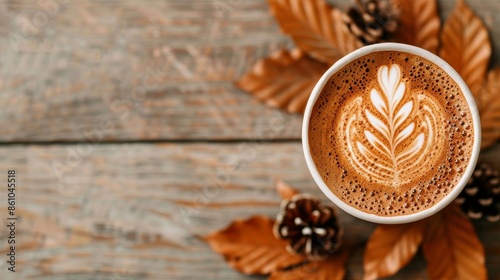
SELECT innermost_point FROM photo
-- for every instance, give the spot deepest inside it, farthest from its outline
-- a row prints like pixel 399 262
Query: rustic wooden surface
pixel 122 206
pixel 86 63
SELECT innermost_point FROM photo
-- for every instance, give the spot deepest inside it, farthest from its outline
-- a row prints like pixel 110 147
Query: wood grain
pixel 86 64
pixel 155 69
pixel 98 71
pixel 137 210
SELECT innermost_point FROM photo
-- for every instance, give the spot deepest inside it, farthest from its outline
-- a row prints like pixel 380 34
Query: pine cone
pixel 311 228
pixel 481 196
pixel 371 21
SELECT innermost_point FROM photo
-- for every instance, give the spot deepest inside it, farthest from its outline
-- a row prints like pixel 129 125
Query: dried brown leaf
pixel 333 268
pixel 419 23
pixel 466 45
pixel 285 190
pixel 488 102
pixel 452 248
pixel 284 80
pixel 250 247
pixel 316 28
pixel 391 247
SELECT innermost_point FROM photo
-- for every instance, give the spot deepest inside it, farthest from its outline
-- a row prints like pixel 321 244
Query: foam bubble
pixel 418 192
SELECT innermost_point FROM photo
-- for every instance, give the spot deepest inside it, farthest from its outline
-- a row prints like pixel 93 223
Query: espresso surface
pixel 391 134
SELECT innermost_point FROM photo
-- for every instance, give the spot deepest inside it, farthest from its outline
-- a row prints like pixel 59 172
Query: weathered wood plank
pixel 135 211
pixel 152 69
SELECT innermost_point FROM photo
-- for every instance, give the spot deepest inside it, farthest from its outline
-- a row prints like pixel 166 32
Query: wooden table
pixel 121 116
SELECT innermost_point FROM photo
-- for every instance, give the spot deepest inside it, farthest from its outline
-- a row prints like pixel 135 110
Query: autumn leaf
pixel 332 268
pixel 285 190
pixel 250 247
pixel 315 27
pixel 488 102
pixel 284 80
pixel 466 45
pixel 452 248
pixel 391 247
pixel 419 23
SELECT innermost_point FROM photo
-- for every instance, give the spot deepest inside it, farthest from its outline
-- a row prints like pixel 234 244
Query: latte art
pixel 397 142
pixel 391 133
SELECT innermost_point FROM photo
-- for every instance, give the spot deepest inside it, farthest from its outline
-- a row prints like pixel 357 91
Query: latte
pixel 391 133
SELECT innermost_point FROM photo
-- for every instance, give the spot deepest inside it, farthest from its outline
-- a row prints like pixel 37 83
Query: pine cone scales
pixel 371 21
pixel 311 228
pixel 481 195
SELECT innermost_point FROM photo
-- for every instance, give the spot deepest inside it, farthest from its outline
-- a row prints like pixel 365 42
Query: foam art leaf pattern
pixel 283 80
pixel 393 91
pixel 391 148
pixel 316 28
pixel 250 247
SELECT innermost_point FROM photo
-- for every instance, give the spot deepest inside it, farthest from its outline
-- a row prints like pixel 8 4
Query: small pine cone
pixel 481 196
pixel 311 228
pixel 372 21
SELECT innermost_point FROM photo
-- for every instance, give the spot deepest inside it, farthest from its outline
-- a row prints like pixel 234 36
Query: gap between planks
pixel 152 141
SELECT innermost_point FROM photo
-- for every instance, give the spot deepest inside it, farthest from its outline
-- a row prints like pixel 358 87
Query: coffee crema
pixel 391 133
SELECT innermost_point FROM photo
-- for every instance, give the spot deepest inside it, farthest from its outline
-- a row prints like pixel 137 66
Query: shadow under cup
pixel 391 133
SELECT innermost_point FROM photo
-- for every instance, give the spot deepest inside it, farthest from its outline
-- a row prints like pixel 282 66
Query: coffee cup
pixel 391 133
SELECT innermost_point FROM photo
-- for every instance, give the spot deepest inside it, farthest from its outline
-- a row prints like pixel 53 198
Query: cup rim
pixel 470 102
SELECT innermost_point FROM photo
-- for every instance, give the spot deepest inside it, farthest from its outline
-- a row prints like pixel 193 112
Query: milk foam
pixel 390 150
pixel 391 133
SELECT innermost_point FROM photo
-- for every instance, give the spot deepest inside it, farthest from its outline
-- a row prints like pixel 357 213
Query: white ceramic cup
pixel 465 175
